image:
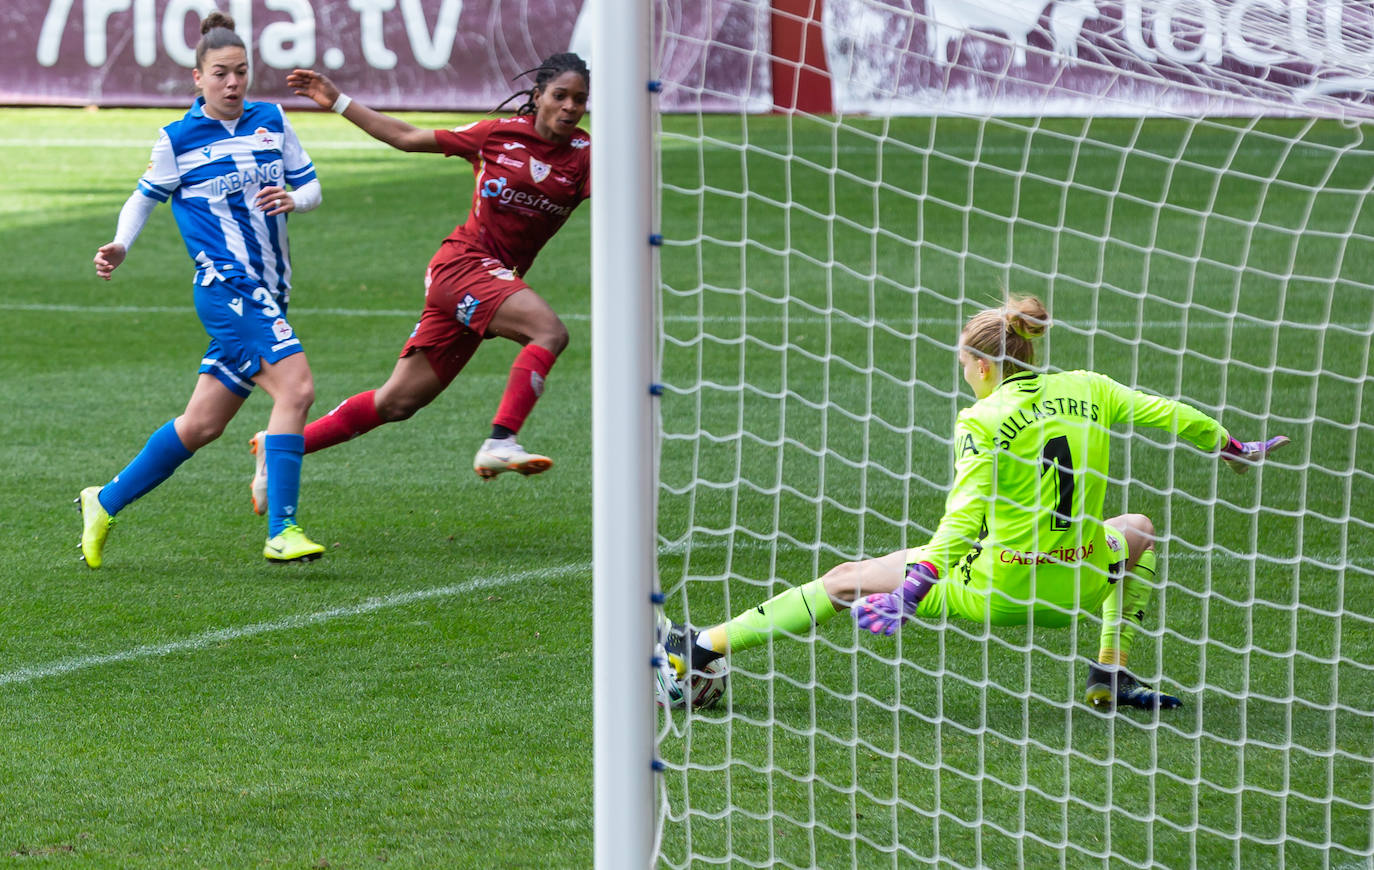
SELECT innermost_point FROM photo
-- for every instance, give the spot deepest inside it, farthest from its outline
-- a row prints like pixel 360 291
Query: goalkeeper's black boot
pixel 682 648
pixel 1109 689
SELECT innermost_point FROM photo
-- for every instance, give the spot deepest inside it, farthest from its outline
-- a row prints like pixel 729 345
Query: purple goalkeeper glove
pixel 1240 455
pixel 885 612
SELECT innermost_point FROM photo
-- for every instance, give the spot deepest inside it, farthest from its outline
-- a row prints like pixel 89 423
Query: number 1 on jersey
pixel 1057 458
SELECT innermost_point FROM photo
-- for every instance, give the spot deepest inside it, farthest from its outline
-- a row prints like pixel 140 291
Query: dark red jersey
pixel 526 187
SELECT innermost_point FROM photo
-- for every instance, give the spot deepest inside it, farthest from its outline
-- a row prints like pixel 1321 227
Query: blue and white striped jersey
pixel 212 170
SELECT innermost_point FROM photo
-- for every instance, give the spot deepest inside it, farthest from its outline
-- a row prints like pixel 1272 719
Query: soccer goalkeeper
pixel 1022 538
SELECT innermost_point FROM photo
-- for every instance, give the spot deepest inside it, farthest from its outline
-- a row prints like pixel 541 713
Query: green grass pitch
pixel 811 396
pixel 421 696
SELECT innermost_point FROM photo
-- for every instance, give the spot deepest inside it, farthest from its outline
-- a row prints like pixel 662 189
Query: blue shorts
pixel 247 325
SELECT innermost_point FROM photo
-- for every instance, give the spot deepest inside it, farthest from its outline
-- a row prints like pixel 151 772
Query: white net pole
pixel 622 436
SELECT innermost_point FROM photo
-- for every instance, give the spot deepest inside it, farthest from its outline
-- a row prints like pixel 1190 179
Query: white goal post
pixel 838 186
pixel 622 437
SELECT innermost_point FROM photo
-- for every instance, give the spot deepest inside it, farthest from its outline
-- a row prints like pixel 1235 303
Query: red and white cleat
pixel 499 456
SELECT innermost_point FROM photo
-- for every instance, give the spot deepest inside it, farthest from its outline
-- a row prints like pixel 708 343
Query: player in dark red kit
pixel 532 170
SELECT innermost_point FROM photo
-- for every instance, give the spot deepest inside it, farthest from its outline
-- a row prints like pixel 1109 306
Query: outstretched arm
pixel 1240 455
pixel 1187 422
pixel 393 131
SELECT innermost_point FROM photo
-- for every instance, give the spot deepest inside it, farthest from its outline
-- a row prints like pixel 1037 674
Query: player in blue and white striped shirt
pixel 225 167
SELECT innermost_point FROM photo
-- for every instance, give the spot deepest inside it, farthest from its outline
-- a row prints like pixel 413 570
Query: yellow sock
pixel 793 612
pixel 1124 611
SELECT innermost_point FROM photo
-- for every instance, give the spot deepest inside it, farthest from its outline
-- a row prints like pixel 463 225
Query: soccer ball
pixel 707 686
pixel 702 689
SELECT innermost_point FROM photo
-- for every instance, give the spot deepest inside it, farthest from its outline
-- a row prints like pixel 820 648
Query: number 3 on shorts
pixel 263 297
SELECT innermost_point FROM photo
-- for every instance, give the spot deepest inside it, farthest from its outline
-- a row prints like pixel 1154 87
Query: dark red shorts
pixel 461 297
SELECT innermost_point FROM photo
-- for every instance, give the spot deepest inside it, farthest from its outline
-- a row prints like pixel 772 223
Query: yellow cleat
pixel 95 526
pixel 292 546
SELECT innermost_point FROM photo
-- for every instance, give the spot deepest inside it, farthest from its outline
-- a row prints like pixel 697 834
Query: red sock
pixel 525 386
pixel 355 416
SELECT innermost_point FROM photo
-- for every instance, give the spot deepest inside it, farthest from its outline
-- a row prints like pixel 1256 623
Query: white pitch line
pixel 66 308
pixel 671 142
pixel 187 309
pixel 1211 323
pixel 147 144
pixel 890 145
pixel 223 635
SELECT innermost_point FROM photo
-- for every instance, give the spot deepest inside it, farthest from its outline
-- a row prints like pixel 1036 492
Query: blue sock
pixel 153 464
pixel 284 454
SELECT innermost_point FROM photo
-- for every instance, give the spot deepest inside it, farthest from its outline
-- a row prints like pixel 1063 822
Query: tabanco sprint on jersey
pixel 211 162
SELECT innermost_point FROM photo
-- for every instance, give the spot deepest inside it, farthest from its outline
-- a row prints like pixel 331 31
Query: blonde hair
pixel 1007 335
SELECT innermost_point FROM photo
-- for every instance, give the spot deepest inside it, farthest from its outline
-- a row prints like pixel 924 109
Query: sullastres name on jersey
pixel 1014 424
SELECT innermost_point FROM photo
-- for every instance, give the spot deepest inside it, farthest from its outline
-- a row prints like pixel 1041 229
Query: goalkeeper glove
pixel 1240 455
pixel 885 612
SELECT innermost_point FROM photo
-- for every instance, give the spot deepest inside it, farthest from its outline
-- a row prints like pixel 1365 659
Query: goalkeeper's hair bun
pixel 1007 334
pixel 1026 316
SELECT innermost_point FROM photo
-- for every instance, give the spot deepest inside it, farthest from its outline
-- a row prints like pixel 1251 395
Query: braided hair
pixel 552 67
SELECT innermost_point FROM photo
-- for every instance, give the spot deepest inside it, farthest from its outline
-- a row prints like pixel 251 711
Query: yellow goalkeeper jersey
pixel 1023 522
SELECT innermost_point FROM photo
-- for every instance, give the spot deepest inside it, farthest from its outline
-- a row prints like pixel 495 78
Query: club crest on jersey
pixel 467 308
pixel 264 139
pixel 580 143
pixel 281 329
pixel 539 171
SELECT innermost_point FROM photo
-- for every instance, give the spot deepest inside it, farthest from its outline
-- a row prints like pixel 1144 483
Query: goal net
pixel 1186 185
